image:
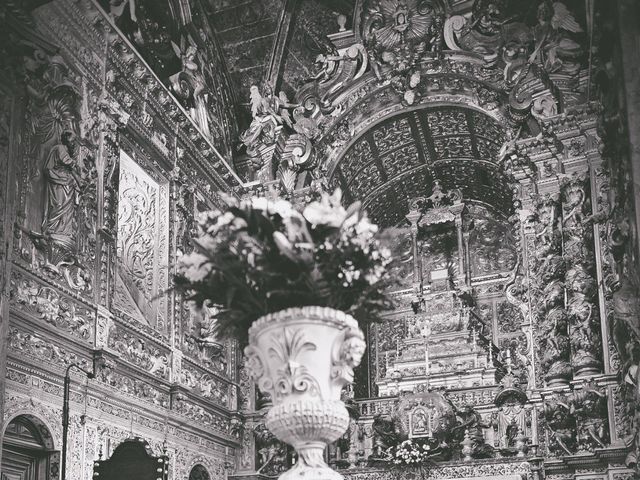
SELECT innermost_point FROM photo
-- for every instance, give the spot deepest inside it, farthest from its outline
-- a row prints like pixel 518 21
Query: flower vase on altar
pixel 294 284
pixel 303 357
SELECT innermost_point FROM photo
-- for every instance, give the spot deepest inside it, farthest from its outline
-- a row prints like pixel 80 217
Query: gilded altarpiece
pixel 95 243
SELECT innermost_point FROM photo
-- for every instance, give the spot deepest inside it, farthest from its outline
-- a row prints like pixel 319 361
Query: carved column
pixel 176 365
pixel 413 217
pixel 12 109
pixel 463 248
pixel 466 251
pixel 111 119
pixel 549 296
pixel 580 283
pixel 104 322
pixel 246 460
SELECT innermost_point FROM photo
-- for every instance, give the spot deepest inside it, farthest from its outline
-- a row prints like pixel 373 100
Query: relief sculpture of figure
pixel 555 47
pixel 469 420
pixel 63 182
pixel 195 90
pixel 386 434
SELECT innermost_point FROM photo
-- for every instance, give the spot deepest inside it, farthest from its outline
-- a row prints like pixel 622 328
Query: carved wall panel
pixel 206 385
pixel 142 245
pixel 31 297
pixel 57 200
pixel 491 242
pixel 86 214
pixel 133 347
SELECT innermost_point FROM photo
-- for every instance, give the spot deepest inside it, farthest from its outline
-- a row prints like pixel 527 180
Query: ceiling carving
pixel 246 30
pixel 400 157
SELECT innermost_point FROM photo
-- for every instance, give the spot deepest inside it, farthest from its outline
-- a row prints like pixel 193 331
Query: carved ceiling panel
pixel 399 158
pixel 368 177
pixel 356 158
pixel 477 181
pixel 389 206
pixel 392 134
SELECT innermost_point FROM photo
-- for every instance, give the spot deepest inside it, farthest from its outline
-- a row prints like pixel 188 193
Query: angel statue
pixel 326 64
pixel 268 112
pixel 554 46
pixel 189 83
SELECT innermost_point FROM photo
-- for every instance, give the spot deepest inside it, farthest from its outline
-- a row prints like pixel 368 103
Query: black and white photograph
pixel 319 239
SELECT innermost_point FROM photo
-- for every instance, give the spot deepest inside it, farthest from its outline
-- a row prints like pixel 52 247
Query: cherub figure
pixel 554 46
pixel 326 64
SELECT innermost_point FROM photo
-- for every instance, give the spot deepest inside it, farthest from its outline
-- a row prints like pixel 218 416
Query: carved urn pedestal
pixel 303 357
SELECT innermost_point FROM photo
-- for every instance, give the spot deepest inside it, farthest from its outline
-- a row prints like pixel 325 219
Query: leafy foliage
pixel 260 256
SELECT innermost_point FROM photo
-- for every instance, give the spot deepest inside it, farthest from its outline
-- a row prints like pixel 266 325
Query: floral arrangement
pixel 412 452
pixel 259 256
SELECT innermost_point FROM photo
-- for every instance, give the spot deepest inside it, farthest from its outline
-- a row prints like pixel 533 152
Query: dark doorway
pixel 199 473
pixel 27 451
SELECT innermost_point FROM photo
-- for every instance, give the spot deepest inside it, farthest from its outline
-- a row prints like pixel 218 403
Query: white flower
pixel 259 203
pixel 194 266
pixel 204 218
pixel 282 208
pixel 284 245
pixel 328 211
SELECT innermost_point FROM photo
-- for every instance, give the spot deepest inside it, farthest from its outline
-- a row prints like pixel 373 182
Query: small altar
pixel 493 470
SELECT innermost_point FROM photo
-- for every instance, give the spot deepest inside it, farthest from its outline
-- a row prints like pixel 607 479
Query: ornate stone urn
pixel 302 357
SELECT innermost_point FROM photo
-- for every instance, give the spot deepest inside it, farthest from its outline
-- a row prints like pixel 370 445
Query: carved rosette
pixel 302 358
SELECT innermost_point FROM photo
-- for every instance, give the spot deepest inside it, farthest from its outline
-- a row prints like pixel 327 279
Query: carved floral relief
pixel 47 304
pixel 142 245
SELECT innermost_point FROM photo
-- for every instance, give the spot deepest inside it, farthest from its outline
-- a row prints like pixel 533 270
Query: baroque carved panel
pixel 142 248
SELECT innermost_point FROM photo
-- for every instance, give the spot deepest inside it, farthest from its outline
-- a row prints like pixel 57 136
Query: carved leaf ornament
pixel 286 346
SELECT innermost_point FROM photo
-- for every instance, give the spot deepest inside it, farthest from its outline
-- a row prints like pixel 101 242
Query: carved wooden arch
pixel 415 129
pixel 444 100
pixel 211 465
pixel 50 435
pixel 46 433
pixel 366 102
pixel 40 415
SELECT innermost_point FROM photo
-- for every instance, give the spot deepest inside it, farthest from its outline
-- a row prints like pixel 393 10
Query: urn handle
pixel 347 354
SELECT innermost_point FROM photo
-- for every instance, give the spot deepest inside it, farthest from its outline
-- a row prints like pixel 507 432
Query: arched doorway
pixel 28 451
pixel 199 473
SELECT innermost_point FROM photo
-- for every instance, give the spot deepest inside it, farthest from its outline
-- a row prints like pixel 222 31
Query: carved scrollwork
pixel 289 376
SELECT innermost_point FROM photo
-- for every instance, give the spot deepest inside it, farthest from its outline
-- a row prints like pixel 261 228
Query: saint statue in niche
pixel 420 423
pixel 62 183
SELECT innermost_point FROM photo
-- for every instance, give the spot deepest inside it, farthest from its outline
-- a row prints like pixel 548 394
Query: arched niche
pixel 199 472
pixel 28 450
pixel 402 156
